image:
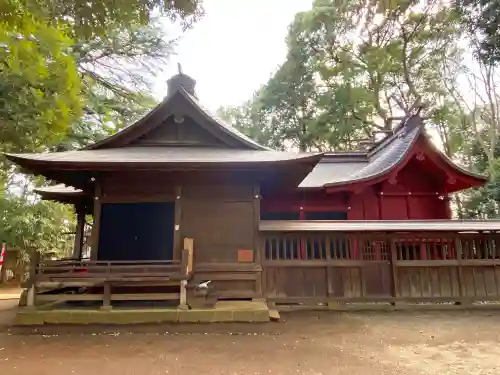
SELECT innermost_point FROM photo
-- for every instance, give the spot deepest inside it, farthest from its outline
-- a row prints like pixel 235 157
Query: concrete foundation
pixel 224 311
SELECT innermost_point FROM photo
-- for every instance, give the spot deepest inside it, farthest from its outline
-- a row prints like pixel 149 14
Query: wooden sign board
pixel 245 255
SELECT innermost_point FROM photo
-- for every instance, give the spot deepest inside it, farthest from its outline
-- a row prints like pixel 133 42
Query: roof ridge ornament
pixel 181 80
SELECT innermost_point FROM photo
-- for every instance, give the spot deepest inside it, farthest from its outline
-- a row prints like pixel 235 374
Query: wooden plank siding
pixel 312 267
pixel 223 220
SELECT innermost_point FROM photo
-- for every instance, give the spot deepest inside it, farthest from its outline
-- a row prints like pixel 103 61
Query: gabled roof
pixel 121 150
pixel 180 102
pixel 349 168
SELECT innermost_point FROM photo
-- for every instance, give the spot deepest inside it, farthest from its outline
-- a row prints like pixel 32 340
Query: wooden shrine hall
pixel 180 197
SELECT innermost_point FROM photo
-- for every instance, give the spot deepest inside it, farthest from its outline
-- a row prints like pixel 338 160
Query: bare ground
pixel 306 343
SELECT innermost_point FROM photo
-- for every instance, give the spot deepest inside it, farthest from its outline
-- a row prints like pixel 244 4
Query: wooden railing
pixel 49 280
pixel 107 271
pixel 415 267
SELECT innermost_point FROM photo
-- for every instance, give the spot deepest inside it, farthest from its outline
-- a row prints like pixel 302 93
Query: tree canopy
pixel 353 68
pixel 72 73
pixel 39 85
pixel 482 20
pixel 92 18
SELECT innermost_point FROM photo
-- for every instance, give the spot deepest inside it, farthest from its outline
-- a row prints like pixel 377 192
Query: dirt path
pixel 369 343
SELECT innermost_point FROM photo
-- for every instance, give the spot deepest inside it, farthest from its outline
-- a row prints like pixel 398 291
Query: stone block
pixel 223 315
pixel 261 316
pixel 57 317
pixel 274 315
pixel 80 317
pixel 31 318
pixel 196 316
pixel 243 316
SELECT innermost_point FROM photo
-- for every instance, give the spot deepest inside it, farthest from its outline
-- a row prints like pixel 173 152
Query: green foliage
pixel 350 68
pixel 94 18
pixel 482 20
pixel 39 85
pixel 41 226
pixel 72 72
pixel 117 72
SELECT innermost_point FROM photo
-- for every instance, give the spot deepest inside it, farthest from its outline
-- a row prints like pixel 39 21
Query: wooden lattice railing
pixel 373 266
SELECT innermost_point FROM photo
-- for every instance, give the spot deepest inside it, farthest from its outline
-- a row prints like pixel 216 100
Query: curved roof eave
pixel 383 164
pixel 456 167
pixel 123 158
pixel 377 175
pixel 59 189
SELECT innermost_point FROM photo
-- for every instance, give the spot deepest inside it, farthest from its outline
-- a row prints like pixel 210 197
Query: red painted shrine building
pixel 402 177
pixel 262 223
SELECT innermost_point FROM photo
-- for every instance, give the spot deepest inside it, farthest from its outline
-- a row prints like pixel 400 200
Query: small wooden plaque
pixel 245 255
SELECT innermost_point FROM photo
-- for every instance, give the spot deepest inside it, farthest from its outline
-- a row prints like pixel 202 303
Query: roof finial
pixel 181 80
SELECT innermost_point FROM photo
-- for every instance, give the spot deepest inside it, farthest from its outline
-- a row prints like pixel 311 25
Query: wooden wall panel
pixel 394 208
pixel 356 209
pixel 427 282
pixel 139 186
pixel 295 282
pixel 186 133
pixel 426 207
pixel 220 223
pixel 220 193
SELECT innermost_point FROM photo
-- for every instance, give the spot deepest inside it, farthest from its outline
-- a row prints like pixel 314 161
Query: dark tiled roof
pixel 161 156
pixel 326 172
pixel 341 168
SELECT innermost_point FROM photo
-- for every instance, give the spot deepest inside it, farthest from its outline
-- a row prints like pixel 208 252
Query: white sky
pixel 234 49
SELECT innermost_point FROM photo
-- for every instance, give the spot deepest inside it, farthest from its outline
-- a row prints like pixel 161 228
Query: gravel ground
pixel 402 343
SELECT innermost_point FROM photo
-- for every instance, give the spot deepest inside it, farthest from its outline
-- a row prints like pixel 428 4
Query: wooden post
pixel 80 225
pixel 461 280
pixel 106 298
pixel 177 223
pixel 394 259
pixel 96 226
pixel 31 295
pixel 258 240
pixel 184 272
pixel 329 282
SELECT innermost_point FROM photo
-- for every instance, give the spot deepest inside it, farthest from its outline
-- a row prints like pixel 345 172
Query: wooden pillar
pixel 258 244
pixel 106 298
pixel 303 242
pixel 31 295
pixel 186 270
pixel 96 226
pixel 177 253
pixel 462 286
pixel 394 270
pixel 80 227
pixel 183 284
pixel 381 206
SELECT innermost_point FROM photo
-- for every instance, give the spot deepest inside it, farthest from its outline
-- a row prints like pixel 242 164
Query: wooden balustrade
pixel 107 271
pixel 331 265
pixel 98 278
